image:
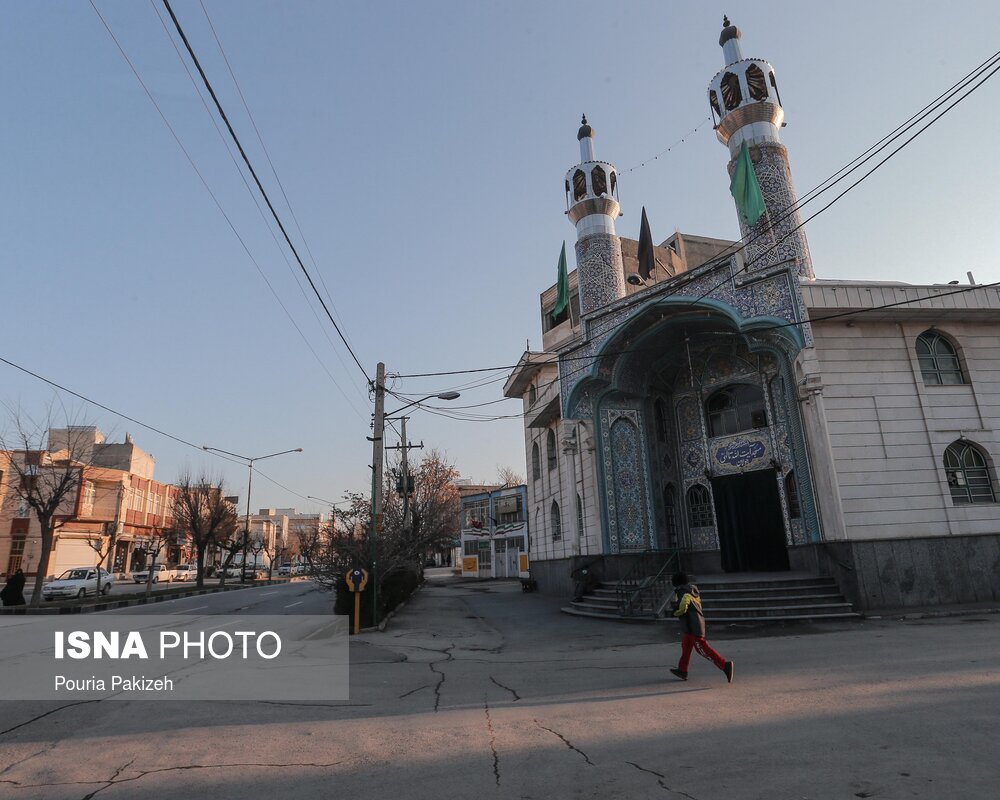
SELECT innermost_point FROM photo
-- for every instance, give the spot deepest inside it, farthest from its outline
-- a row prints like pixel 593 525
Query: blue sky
pixel 422 147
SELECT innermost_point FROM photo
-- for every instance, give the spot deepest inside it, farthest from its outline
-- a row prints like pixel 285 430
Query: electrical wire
pixel 259 211
pixel 260 187
pixel 281 186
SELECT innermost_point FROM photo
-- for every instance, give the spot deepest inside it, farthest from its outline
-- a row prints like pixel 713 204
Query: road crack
pixel 516 695
pixel 660 780
pixel 493 742
pixel 440 674
pixel 414 691
pixel 566 742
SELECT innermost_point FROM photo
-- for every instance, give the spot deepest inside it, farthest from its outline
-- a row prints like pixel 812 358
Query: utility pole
pixel 406 474
pixel 378 431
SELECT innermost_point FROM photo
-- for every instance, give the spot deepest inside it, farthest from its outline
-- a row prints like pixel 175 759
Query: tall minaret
pixel 746 104
pixel 592 206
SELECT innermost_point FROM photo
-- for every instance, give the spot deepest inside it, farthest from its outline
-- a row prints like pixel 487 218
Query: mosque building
pixel 717 400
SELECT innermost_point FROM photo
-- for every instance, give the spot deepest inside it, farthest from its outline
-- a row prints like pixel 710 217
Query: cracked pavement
pixel 479 689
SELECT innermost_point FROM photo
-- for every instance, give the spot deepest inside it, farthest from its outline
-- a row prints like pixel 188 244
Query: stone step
pixel 772 591
pixel 772 620
pixel 776 611
pixel 771 600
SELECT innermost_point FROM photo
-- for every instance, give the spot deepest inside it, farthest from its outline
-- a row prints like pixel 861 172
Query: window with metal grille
pixel 732 95
pixel 599 180
pixel 734 409
pixel 555 522
pixel 713 100
pixel 579 185
pixel 579 515
pixel 670 513
pixel 756 83
pixel 968 474
pixel 938 359
pixel 699 504
pixel 16 556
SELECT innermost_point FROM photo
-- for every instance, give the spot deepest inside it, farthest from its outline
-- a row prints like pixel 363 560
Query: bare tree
pixel 508 477
pixel 47 470
pixel 346 542
pixel 202 513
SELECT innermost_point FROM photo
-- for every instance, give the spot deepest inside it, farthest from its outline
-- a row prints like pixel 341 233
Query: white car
pixel 77 583
pixel 185 572
pixel 161 573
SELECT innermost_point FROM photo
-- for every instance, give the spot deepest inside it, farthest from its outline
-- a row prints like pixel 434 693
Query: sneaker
pixel 729 669
pixel 679 673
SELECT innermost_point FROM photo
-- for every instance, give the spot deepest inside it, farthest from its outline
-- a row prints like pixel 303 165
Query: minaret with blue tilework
pixel 746 108
pixel 592 206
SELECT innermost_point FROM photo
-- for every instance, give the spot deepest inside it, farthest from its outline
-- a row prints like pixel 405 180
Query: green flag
pixel 562 285
pixel 745 188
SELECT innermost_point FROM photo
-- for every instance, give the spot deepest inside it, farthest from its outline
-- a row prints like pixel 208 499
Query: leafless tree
pixel 46 475
pixel 202 513
pixel 346 542
pixel 508 477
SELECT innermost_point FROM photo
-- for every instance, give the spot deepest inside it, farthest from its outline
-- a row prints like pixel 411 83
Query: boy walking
pixel 686 604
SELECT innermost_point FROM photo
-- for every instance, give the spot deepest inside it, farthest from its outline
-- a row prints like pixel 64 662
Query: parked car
pixel 161 573
pixel 232 571
pixel 185 572
pixel 288 569
pixel 77 582
pixel 251 573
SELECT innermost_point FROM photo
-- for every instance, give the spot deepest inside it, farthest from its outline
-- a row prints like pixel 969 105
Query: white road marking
pixel 268 593
pixel 292 605
pixel 221 625
pixel 188 610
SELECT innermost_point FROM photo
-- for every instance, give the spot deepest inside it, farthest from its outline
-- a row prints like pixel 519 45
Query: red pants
pixel 699 643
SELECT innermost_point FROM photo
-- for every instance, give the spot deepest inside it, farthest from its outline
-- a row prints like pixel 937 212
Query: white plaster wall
pixel 889 431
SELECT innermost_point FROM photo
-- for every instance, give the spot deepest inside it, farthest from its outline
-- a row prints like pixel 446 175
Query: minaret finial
pixel 583 120
pixel 725 21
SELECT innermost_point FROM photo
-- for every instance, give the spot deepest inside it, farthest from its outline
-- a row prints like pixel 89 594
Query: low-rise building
pixel 494 531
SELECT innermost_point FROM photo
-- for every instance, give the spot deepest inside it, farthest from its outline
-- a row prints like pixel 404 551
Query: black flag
pixel 645 248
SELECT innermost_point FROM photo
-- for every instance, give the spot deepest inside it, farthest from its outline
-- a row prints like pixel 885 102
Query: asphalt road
pixel 479 690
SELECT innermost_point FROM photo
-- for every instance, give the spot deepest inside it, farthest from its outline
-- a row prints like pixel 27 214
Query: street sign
pixel 356 579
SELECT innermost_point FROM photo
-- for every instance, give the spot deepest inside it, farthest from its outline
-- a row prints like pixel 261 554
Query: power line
pixel 140 423
pixel 260 186
pixel 263 218
pixel 208 188
pixel 281 186
pixel 724 260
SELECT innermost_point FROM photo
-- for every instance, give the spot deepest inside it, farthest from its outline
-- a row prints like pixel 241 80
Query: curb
pixel 958 612
pixel 126 602
pixel 385 621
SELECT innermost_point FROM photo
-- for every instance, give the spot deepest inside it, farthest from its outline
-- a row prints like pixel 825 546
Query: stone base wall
pixel 902 573
pixel 554 576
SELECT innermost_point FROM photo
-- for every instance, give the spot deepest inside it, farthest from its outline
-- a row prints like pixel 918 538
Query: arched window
pixel 555 521
pixel 532 394
pixel 670 513
pixel 579 515
pixel 792 496
pixel 775 85
pixel 599 180
pixel 732 95
pixel 756 83
pixel 699 507
pixel 939 362
pixel 550 449
pixel 968 474
pixel 536 462
pixel 614 183
pixel 713 101
pixel 579 185
pixel 734 409
pixel 567 193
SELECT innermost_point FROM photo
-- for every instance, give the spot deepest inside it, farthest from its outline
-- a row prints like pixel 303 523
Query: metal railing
pixel 646 587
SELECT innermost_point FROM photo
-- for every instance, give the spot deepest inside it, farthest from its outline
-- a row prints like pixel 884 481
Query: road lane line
pixel 268 593
pixel 188 610
pixel 292 605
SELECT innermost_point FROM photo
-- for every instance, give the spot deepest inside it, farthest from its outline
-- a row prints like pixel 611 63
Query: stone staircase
pixel 744 598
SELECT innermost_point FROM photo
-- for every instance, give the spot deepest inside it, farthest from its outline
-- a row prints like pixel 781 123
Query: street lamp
pixel 378 431
pixel 246 526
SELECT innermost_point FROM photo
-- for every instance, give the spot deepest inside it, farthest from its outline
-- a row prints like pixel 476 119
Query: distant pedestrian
pixel 686 604
pixel 13 593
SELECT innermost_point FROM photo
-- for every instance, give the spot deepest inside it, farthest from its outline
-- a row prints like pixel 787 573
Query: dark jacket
pixel 686 605
pixel 13 593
